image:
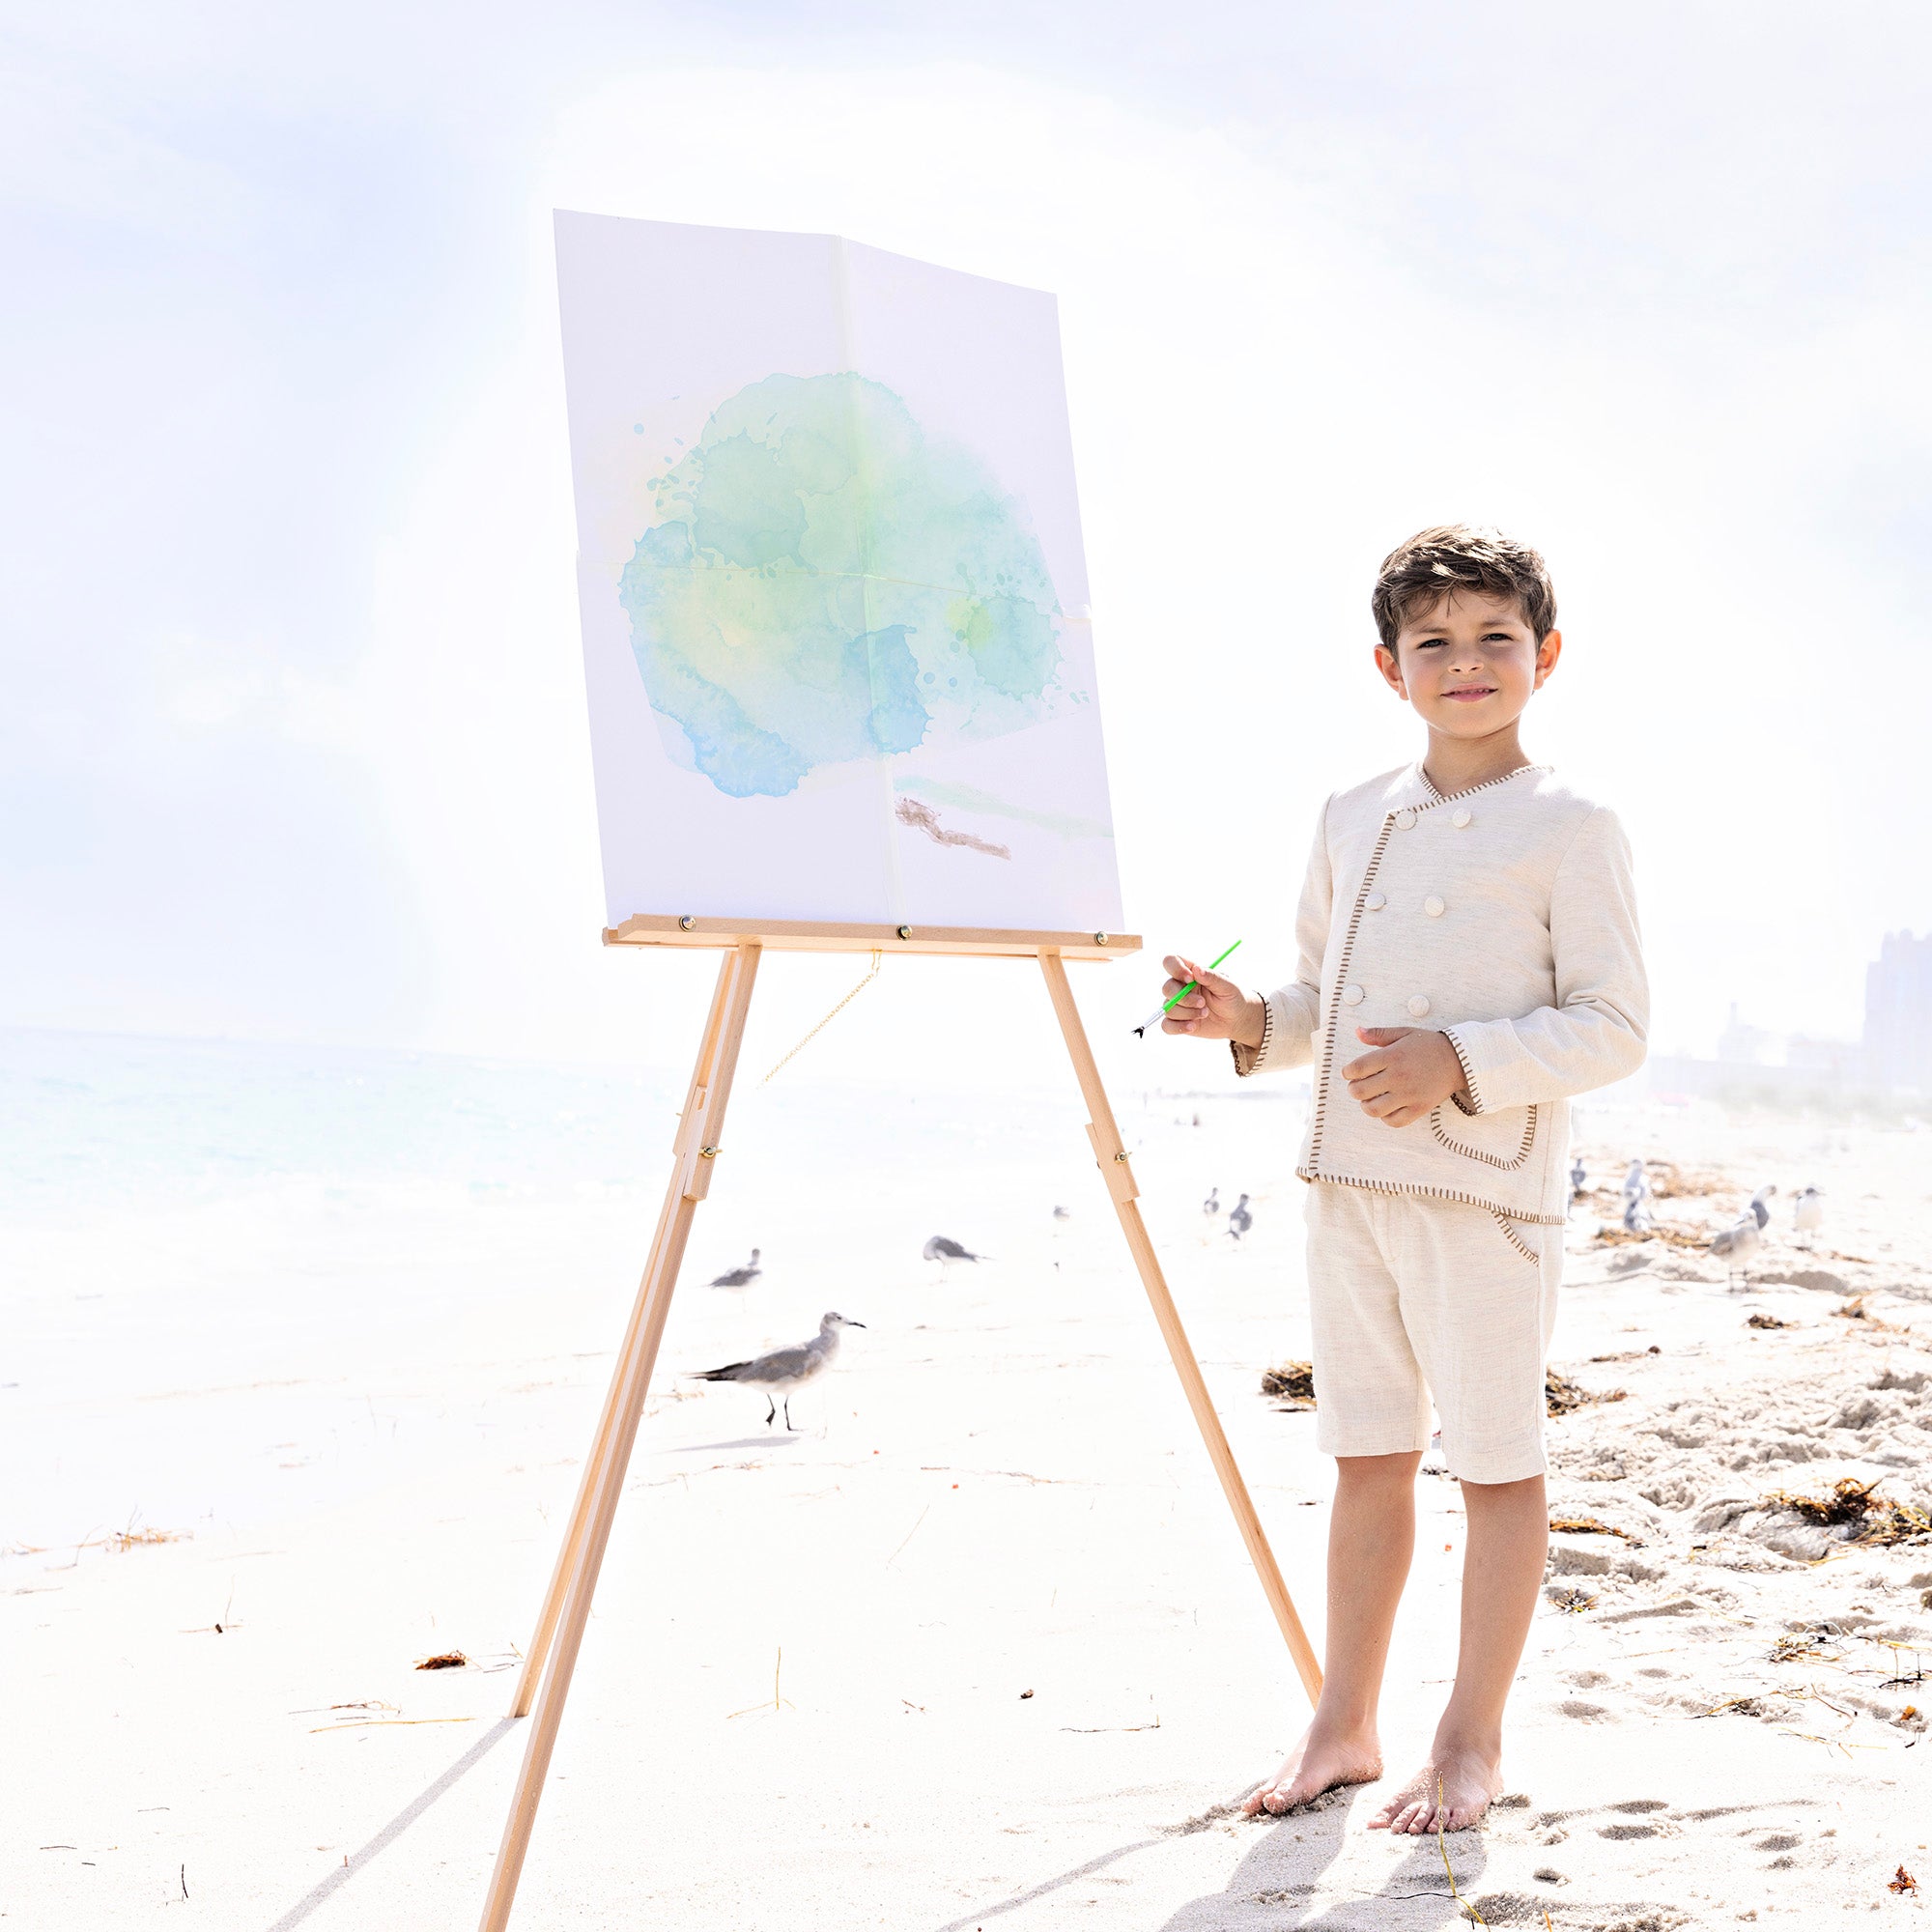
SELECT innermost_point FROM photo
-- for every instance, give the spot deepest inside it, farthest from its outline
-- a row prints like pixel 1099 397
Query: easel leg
pixel 589 1483
pixel 567 1608
pixel 1115 1169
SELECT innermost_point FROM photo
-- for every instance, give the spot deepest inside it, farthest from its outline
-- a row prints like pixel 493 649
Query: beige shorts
pixel 1411 1297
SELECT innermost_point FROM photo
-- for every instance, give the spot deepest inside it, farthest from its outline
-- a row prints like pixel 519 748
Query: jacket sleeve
pixel 1595 1031
pixel 1294 1010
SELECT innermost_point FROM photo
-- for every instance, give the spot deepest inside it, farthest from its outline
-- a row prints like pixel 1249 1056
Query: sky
pixel 293 741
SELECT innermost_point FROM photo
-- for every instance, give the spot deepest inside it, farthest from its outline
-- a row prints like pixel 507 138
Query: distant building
pixel 1893 1058
pixel 1843 1059
pixel 1742 1045
pixel 1898 1014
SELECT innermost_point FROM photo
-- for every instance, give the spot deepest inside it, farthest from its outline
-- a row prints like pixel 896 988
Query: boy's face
pixel 1468 663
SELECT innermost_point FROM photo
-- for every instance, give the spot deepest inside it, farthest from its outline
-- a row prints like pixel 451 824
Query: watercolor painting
pixel 836 638
pixel 827 582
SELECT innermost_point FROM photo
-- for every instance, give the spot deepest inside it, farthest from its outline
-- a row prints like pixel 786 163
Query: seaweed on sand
pixel 1290 1383
pixel 1561 1395
pixel 1854 1502
pixel 1589 1525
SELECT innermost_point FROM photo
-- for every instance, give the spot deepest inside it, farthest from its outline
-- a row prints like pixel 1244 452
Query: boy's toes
pixel 1273 1796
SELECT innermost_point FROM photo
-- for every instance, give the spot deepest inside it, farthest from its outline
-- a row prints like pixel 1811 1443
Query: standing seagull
pixel 943 1248
pixel 1760 1213
pixel 1062 1213
pixel 742 1277
pixel 1636 1216
pixel 782 1372
pixel 1577 1178
pixel 1809 1213
pixel 1212 1205
pixel 1738 1244
pixel 1637 1184
pixel 1240 1220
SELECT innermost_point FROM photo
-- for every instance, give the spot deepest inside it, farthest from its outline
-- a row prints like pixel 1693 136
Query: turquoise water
pixel 93 1123
pixel 238 1282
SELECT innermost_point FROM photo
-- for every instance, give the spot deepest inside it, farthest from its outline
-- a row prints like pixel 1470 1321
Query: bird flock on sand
pixel 1240 1217
pixel 779 1374
pixel 1736 1245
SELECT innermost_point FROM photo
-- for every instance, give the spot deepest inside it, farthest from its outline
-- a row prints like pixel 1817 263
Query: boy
pixel 1468 961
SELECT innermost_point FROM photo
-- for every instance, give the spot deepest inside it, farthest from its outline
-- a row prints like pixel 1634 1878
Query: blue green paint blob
pixel 826 581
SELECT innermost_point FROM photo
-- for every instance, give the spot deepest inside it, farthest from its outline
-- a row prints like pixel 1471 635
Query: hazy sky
pixel 293 740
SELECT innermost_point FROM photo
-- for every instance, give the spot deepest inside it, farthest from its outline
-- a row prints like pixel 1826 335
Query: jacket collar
pixel 1413 790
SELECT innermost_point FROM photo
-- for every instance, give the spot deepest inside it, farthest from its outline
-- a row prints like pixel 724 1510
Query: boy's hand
pixel 1409 1072
pixel 1216 1010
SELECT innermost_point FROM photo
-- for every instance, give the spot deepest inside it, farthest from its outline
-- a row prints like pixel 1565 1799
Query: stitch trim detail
pixel 1468 1077
pixel 1321 1110
pixel 1516 1240
pixel 1427 1192
pixel 1248 1058
pixel 1436 798
pixel 1477 1154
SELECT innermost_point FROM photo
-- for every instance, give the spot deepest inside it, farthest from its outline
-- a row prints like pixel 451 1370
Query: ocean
pixel 239 1279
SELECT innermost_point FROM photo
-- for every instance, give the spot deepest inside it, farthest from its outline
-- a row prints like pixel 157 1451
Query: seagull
pixel 782 1372
pixel 1636 1216
pixel 1062 1213
pixel 1637 1184
pixel 1577 1178
pixel 1212 1204
pixel 1809 1213
pixel 1738 1242
pixel 1760 1213
pixel 943 1248
pixel 1240 1220
pixel 742 1277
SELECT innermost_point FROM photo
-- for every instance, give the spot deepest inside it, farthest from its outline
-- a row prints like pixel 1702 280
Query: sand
pixel 976 1647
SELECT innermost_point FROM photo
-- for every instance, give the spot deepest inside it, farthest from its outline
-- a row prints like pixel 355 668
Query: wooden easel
pixel 566 1608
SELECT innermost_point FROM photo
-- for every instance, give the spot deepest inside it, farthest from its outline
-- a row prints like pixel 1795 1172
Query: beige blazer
pixel 1502 916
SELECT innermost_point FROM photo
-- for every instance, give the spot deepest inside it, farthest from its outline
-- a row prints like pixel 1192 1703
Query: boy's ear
pixel 1391 670
pixel 1547 654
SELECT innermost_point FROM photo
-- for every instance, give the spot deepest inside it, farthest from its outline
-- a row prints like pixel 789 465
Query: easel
pixel 566 1608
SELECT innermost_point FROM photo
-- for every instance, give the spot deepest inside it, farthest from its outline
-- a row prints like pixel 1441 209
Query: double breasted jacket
pixel 1504 918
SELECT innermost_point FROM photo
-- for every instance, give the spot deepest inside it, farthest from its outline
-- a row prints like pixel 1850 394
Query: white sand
pixel 998 1490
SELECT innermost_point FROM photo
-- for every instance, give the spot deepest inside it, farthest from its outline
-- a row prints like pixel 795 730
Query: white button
pixel 1405 818
pixel 1418 1004
pixel 1351 996
pixel 1459 817
pixel 1376 901
pixel 1432 906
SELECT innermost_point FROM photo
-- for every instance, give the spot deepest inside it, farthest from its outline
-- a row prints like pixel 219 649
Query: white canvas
pixel 835 625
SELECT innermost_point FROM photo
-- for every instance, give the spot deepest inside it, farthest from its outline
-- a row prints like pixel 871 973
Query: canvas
pixel 836 640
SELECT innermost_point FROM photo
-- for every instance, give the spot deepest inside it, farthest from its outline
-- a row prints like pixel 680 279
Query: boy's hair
pixel 1459 556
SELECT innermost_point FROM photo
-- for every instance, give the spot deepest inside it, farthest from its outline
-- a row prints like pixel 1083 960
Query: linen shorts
pixel 1411 1297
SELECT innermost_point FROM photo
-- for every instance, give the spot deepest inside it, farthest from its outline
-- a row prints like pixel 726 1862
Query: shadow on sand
pixel 1277 1882
pixel 1281 1867
pixel 741 1442
pixel 395 1828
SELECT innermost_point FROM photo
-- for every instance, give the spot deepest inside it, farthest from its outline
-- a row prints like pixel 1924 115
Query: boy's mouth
pixel 1470 693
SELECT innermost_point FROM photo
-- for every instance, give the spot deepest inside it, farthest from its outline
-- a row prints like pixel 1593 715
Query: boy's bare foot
pixel 1318 1763
pixel 1461 1778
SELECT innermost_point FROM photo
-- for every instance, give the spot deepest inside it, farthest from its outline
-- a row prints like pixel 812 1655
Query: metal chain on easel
pixel 826 1021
